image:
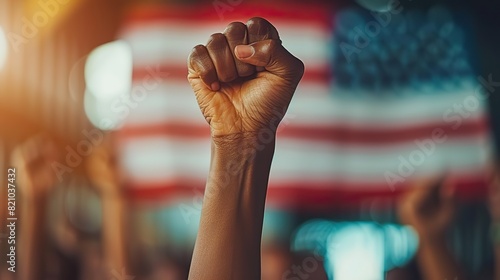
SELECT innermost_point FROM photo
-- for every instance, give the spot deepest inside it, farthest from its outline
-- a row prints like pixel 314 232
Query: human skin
pixel 243 80
pixel 494 207
pixel 103 171
pixel 35 181
pixel 430 208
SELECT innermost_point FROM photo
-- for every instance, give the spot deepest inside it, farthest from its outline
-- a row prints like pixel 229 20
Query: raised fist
pixel 32 160
pixel 429 208
pixel 244 78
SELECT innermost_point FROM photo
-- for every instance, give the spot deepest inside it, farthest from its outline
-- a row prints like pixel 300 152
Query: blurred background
pixel 393 122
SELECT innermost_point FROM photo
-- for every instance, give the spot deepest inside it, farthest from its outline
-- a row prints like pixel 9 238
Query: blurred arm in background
pixel 243 108
pixel 494 206
pixel 103 172
pixel 430 208
pixel 32 161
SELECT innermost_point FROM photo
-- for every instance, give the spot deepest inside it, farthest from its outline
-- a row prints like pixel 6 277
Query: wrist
pixel 432 240
pixel 257 140
pixel 244 147
pixel 239 152
pixel 240 161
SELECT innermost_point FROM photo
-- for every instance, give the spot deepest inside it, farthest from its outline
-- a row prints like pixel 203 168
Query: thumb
pixel 275 59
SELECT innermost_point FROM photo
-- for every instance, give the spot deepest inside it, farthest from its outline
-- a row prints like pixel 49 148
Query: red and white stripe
pixel 331 148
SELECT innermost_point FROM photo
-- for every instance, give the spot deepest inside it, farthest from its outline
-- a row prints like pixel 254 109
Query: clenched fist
pixel 429 208
pixel 34 158
pixel 243 78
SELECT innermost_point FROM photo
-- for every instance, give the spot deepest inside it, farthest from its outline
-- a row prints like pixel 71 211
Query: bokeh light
pixel 108 71
pixel 108 78
pixel 352 246
pixel 346 246
pixel 100 113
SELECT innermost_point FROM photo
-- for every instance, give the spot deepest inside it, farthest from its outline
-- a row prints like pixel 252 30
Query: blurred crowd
pixel 62 251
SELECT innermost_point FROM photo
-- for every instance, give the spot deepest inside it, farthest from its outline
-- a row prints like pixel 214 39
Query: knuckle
pixel 260 27
pixel 216 43
pixel 235 27
pixel 215 38
pixel 197 51
pixel 257 20
pixel 198 61
pixel 198 48
pixel 236 33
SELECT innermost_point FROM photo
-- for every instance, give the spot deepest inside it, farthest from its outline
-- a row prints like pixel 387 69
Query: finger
pixel 236 34
pixel 200 62
pixel 271 55
pixel 260 29
pixel 222 57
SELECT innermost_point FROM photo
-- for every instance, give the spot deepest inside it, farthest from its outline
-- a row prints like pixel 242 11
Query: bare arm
pixel 102 170
pixel 32 238
pixel 228 244
pixel 436 261
pixel 32 161
pixel 494 207
pixel 497 262
pixel 113 207
pixel 429 208
pixel 243 93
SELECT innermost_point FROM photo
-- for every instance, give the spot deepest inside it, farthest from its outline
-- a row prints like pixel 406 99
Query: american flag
pixel 339 142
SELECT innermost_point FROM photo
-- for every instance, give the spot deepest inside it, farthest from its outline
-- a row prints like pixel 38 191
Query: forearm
pixel 114 231
pixel 32 237
pixel 228 242
pixel 436 262
pixel 497 262
pixel 495 240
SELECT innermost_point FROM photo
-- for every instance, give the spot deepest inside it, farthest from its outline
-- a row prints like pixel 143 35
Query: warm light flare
pixel 3 48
